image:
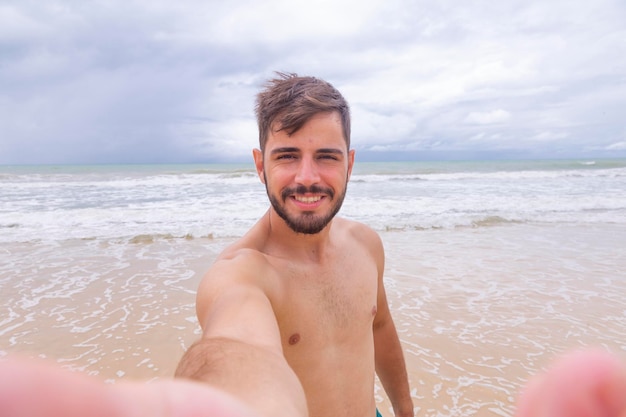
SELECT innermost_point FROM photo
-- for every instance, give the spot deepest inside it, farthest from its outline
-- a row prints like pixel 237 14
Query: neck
pixel 312 246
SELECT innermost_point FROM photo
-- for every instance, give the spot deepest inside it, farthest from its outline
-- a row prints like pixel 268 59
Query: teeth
pixel 308 199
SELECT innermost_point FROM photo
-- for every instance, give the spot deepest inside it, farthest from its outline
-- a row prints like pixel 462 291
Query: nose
pixel 308 173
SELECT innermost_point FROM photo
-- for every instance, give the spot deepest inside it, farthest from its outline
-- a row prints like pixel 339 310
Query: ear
pixel 351 153
pixel 257 154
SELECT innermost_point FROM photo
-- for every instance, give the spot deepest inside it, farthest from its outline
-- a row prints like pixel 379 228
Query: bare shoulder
pixel 237 270
pixel 236 265
pixel 365 236
pixel 361 233
pixel 240 255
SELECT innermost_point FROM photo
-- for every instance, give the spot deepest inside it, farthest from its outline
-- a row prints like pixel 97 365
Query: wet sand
pixel 478 309
pixel 112 309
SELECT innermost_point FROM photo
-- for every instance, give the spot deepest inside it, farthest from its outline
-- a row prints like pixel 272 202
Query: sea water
pixel 55 203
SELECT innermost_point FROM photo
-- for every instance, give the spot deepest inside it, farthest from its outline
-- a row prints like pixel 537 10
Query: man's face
pixel 306 174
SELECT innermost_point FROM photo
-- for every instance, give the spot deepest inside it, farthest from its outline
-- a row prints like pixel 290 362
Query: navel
pixel 294 338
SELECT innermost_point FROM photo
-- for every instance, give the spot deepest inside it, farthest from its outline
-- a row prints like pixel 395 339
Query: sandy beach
pixel 479 309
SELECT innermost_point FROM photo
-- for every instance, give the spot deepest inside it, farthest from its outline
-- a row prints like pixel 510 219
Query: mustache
pixel 301 189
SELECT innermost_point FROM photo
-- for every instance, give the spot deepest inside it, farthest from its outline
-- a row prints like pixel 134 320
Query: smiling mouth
pixel 307 200
pixel 307 195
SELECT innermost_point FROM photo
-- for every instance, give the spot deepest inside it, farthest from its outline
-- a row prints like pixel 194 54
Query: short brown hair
pixel 289 101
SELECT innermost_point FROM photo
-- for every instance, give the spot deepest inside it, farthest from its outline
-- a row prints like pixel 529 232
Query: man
pixel 299 300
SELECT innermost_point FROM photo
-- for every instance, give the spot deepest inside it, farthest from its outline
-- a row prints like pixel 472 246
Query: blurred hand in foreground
pixel 580 384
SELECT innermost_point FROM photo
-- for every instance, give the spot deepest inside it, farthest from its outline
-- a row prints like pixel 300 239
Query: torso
pixel 325 309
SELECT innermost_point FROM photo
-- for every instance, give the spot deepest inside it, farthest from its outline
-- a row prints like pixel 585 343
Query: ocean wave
pixel 213 171
pixel 487 221
pixel 151 238
pixel 238 174
pixel 493 175
pixel 385 178
pixel 490 221
pixel 148 206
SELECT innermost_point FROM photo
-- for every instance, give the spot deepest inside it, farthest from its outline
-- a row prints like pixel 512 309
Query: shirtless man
pixel 302 292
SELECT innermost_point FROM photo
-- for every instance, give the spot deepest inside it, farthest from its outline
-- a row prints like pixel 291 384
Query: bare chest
pixel 326 305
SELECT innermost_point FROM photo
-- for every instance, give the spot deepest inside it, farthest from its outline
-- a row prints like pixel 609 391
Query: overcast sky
pixel 156 81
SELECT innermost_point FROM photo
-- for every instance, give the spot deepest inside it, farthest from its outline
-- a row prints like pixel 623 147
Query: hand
pixel 581 384
pixel 35 389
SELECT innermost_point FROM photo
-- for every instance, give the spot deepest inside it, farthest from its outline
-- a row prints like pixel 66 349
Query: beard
pixel 307 222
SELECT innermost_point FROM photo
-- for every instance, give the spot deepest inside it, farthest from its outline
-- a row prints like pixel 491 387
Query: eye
pixel 329 157
pixel 285 156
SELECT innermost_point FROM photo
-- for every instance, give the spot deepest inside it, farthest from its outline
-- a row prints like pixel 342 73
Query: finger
pixel 581 384
pixel 36 389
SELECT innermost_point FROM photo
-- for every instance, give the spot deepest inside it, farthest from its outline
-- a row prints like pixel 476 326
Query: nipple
pixel 294 338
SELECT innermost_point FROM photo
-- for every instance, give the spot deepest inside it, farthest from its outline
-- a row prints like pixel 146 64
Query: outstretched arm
pixel 240 351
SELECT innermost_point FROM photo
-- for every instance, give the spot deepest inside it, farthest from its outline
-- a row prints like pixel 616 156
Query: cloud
pixel 157 81
pixel 489 117
pixel 618 146
pixel 549 136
